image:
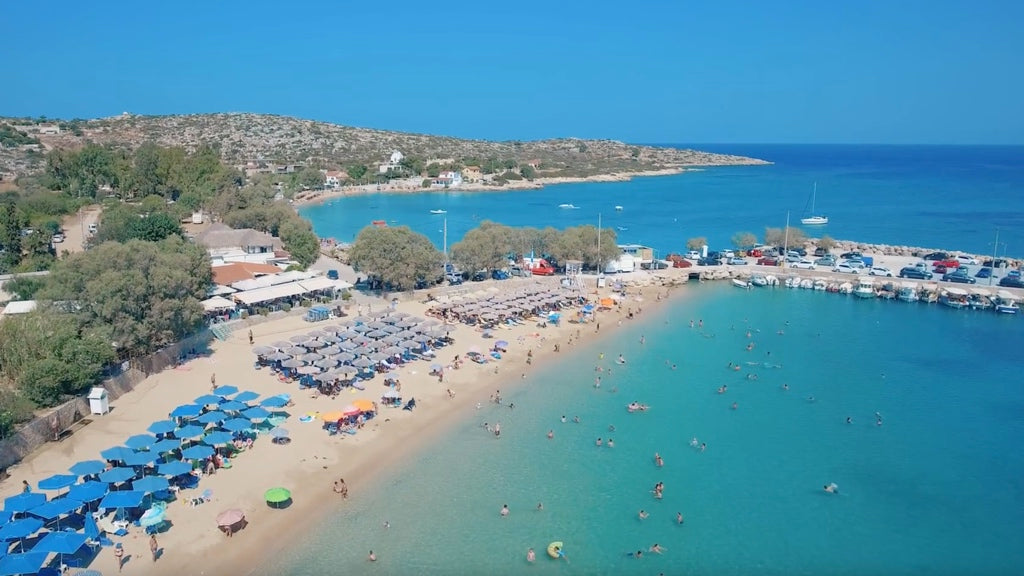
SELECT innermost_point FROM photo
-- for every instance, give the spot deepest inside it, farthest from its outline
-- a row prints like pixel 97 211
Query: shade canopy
pixel 197 452
pixel 165 445
pixel 175 468
pixel 225 390
pixel 57 507
pixel 246 396
pixel 115 475
pixel 189 431
pixel 233 406
pixel 61 542
pixel 140 441
pixel 277 495
pixel 162 426
pixel 274 402
pixel 230 517
pixel 237 425
pixel 208 399
pixel 88 491
pixel 123 499
pixel 25 563
pixel 152 517
pixel 20 528
pixel 57 481
pixel 150 484
pixel 211 417
pixel 256 413
pixel 217 438
pixel 116 453
pixel 24 502
pixel 88 467
pixel 141 458
pixel 186 411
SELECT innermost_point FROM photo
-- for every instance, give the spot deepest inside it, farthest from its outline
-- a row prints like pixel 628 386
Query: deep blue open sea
pixel 937 489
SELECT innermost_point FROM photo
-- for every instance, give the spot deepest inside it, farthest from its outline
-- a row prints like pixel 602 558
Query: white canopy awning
pixel 318 283
pixel 269 293
pixel 217 303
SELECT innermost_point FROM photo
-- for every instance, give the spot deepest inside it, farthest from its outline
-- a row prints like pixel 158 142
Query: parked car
pixel 737 261
pixel 518 271
pixel 804 264
pixel 709 262
pixel 984 273
pixel 880 271
pixel 854 255
pixel 997 263
pixel 845 268
pixel 58 238
pixel 1012 282
pixel 755 253
pixel 820 252
pixel 960 277
pixel 793 257
pixel 950 263
pixel 499 275
pixel 936 256
pixel 767 261
pixel 915 272
pixel 693 255
pixel 681 263
pixel 825 262
pixel 332 274
pixel 964 259
pixel 453 279
pixel 940 269
pixel 1013 273
pixel 728 253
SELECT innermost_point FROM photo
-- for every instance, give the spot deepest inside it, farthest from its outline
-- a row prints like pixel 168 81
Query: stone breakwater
pixel 842 246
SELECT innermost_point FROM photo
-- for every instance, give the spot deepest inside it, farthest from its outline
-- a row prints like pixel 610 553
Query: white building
pixel 447 179
pixel 333 178
pixel 393 163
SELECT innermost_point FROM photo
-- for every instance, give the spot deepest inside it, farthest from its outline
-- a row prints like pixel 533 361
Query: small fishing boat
pixel 846 288
pixel 618 208
pixel 621 228
pixel 1006 303
pixel 954 298
pixel 568 206
pixel 865 288
pixel 908 292
pixel 758 280
pixel 820 284
pixel 980 299
pixel 438 211
pixel 740 283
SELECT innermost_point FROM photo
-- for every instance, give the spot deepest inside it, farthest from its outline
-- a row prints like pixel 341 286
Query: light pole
pixel 995 253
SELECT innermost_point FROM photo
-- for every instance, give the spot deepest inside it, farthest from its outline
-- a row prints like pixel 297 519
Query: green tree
pixel 433 170
pixel 826 243
pixel 528 172
pixel 427 183
pixel 12 221
pixel 744 240
pixel 580 243
pixel 484 248
pixel 309 179
pixel 300 241
pixel 780 236
pixel 395 255
pixel 696 243
pixel 357 171
pixel 24 287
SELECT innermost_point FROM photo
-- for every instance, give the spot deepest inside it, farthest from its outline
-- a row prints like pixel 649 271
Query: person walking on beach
pixel 213 381
pixel 25 487
pixel 154 547
pixel 119 556
pixel 250 337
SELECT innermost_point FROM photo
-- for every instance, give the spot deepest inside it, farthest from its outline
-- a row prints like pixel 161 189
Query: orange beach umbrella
pixel 363 405
pixel 332 416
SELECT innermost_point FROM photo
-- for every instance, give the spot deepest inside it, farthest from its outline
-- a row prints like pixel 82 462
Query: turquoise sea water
pixel 937 489
pixel 952 197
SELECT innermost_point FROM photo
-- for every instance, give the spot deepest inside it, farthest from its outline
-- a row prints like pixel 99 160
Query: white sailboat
pixel 814 219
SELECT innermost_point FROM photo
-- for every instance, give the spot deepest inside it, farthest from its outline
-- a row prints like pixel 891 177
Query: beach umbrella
pixel 256 413
pixel 501 344
pixel 324 377
pixel 316 333
pixel 348 345
pixel 332 416
pixel 299 338
pixel 362 318
pixel 279 433
pixel 140 441
pixel 122 499
pixel 331 350
pixel 234 406
pixel 197 452
pixel 314 344
pixel 237 425
pixel 390 330
pixel 344 357
pixel 57 481
pixel 61 543
pixel 350 410
pixel 421 338
pixel 175 468
pixel 392 350
pixel 326 363
pixel 410 344
pixel 117 475
pixel 429 323
pixel 391 339
pixel 344 371
pixel 141 458
pixel 20 528
pixel 189 431
pixel 310 357
pixel 378 357
pixel 279 356
pixel 208 399
pixel 117 453
pixel 211 417
pixel 376 325
pixel 363 405
pixel 245 396
pixel 280 344
pixel 277 496
pixel 165 445
pixel 307 370
pixel 376 345
pixel 56 508
pixel 230 517
pixel 217 438
pixel 362 362
pixel 186 411
pixel 293 363
pixel 152 517
pixel 347 334
pixel 150 484
pixel 88 467
pixel 275 401
pixel 88 491
pixel 225 390
pixel 162 426
pixel 262 350
pixel 376 334
pixel 24 563
pixel 294 350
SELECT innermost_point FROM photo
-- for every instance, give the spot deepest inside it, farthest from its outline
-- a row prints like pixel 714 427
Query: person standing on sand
pixel 250 337
pixel 154 547
pixel 25 487
pixel 213 381
pixel 119 555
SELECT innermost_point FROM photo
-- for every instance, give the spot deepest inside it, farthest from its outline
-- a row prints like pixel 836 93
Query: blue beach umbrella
pixel 279 433
pixel 88 491
pixel 152 517
pixel 61 542
pixel 211 417
pixel 233 406
pixel 57 481
pixel 197 452
pixel 150 484
pixel 162 426
pixel 88 467
pixel 25 563
pixel 189 431
pixel 225 390
pixel 91 530
pixel 246 396
pixel 20 528
pixel 5 517
pixel 217 438
pixel 237 425
pixel 274 402
pixel 56 508
pixel 140 441
pixel 116 453
pixel 165 445
pixel 256 413
pixel 117 475
pixel 208 399
pixel 24 502
pixel 174 468
pixel 122 499
pixel 141 458
pixel 186 411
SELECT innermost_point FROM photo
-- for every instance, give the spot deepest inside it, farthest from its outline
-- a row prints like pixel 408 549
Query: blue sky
pixel 871 71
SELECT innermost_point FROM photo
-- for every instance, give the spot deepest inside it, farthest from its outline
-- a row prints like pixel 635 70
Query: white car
pixel 693 255
pixel 967 260
pixel 846 268
pixel 880 271
pixel 728 254
pixel 804 264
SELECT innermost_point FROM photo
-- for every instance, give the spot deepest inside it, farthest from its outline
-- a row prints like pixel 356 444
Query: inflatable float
pixel 555 550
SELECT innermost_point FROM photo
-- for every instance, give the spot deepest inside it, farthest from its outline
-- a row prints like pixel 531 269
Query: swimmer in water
pixel 703 446
pixel 598 443
pixel 679 517
pixel 656 548
pixel 849 420
pixel 540 506
pixel 735 405
pixel 530 555
pixel 832 488
pixel 611 443
pixel 693 442
pixel 504 510
pixel 563 418
pixel 551 434
pixel 658 461
pixel 642 515
pixel 785 386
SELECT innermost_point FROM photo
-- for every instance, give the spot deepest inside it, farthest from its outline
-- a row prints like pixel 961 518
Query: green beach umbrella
pixel 277 496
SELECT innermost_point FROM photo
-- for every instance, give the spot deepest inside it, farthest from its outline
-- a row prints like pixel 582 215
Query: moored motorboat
pixel 740 283
pixel 568 206
pixel 980 299
pixel 758 280
pixel 954 298
pixel 846 288
pixel 865 288
pixel 439 211
pixel 908 292
pixel 618 208
pixel 820 284
pixel 1006 303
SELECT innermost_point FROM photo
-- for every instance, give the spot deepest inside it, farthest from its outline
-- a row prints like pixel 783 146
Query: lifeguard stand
pixel 574 274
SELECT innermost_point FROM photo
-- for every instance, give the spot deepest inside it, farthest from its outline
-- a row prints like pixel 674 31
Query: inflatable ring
pixel 555 550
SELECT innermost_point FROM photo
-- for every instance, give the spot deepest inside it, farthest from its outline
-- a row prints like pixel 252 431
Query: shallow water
pixel 936 489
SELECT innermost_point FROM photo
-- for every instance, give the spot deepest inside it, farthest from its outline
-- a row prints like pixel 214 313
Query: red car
pixel 767 261
pixel 950 264
pixel 755 253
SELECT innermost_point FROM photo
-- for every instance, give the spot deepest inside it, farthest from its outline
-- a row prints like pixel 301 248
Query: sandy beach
pixel 407 187
pixel 310 464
